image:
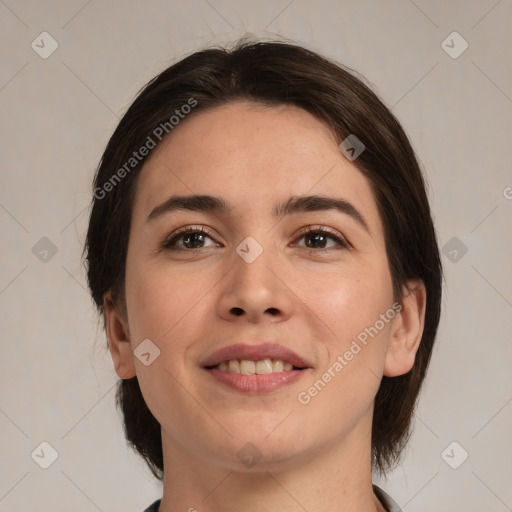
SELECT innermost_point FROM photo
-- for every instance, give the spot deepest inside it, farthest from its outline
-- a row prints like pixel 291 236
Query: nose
pixel 255 291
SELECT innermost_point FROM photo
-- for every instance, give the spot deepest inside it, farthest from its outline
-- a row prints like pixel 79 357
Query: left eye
pixel 320 236
pixel 189 235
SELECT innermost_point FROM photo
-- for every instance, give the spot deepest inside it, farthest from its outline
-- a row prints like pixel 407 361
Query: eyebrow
pixel 295 204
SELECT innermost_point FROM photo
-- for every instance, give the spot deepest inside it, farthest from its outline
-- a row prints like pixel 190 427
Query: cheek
pixel 344 303
pixel 159 299
pixel 165 305
pixel 351 323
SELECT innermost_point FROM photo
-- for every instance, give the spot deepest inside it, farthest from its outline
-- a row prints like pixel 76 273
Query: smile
pixel 255 368
pixel 261 367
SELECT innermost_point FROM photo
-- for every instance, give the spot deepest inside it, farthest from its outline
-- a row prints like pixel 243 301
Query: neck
pixel 336 477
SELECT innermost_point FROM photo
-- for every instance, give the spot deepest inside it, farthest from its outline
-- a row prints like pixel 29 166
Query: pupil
pixel 315 236
pixel 192 235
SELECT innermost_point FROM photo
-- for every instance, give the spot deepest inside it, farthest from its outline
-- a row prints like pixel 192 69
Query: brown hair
pixel 275 73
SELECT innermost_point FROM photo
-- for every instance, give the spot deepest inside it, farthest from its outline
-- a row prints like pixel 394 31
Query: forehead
pixel 252 155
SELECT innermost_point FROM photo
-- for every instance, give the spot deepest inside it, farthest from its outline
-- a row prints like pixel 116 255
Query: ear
pixel 406 331
pixel 118 339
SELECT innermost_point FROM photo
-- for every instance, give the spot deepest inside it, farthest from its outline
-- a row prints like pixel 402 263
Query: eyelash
pixel 169 243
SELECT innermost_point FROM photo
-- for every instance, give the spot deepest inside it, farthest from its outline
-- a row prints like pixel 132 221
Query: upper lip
pixel 255 353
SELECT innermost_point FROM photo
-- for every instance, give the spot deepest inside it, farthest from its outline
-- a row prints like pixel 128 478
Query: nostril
pixel 240 311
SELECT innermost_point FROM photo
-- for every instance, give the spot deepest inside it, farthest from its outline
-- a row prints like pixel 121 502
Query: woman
pixel 262 252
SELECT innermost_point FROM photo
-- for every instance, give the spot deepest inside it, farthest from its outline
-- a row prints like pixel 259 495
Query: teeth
pixel 277 365
pixel 261 367
pixel 264 366
pixel 234 366
pixel 247 366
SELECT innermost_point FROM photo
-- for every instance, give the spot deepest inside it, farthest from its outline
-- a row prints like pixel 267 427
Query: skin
pixel 312 300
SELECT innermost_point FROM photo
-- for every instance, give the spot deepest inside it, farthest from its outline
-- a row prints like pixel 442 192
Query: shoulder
pixel 387 501
pixel 153 507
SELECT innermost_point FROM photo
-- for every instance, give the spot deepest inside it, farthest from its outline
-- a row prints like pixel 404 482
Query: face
pixel 245 283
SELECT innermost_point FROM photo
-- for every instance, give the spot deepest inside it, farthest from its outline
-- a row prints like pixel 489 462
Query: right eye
pixel 191 235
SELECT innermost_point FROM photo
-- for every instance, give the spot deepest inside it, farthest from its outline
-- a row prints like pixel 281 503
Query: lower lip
pixel 254 384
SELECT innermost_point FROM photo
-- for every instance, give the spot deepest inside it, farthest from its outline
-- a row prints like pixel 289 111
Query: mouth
pixel 255 369
pixel 260 367
pixel 257 359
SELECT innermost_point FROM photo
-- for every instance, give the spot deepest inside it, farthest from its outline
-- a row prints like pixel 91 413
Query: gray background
pixel 56 378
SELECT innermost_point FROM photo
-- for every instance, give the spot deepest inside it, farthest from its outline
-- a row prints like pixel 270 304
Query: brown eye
pixel 191 237
pixel 318 238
